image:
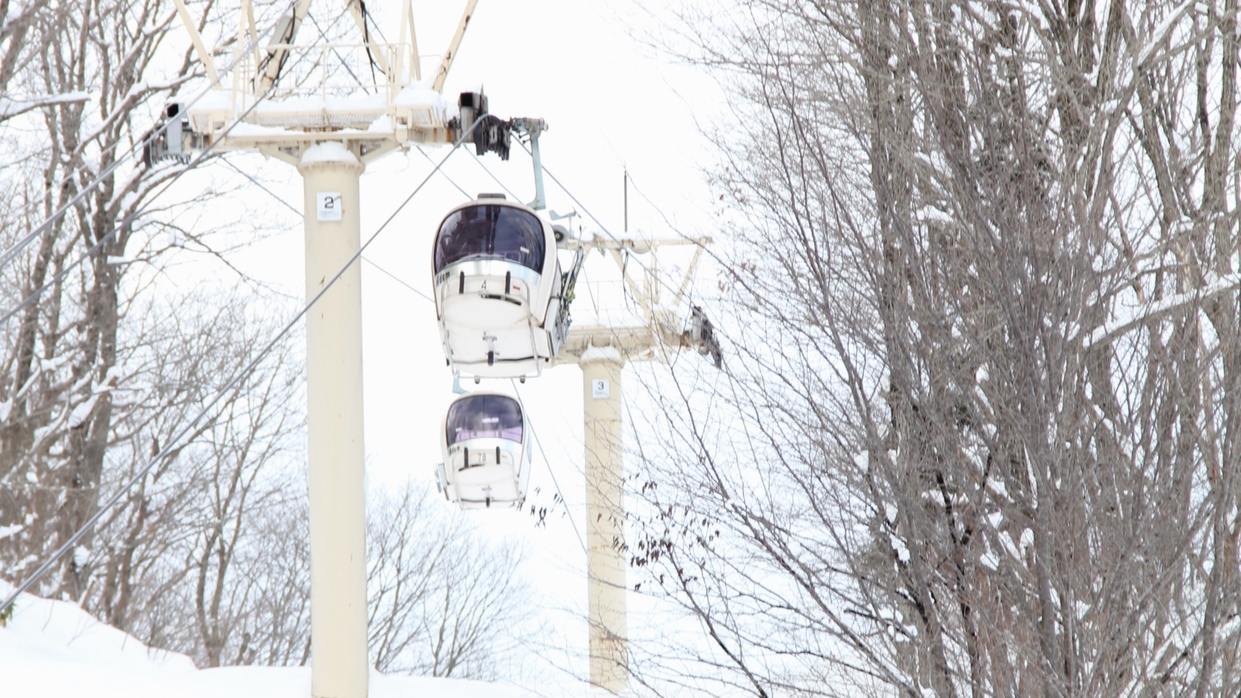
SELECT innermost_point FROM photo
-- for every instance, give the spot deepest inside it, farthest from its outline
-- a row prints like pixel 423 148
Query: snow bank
pixel 52 649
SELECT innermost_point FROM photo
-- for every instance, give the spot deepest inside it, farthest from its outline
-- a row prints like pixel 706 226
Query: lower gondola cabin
pixel 486 449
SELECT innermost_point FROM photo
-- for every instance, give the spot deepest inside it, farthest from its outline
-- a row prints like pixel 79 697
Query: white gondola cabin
pixel 498 289
pixel 486 449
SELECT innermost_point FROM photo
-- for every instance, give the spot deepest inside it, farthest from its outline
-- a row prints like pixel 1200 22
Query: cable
pixel 127 220
pixel 232 385
pixel 538 442
pixel 42 228
pixel 548 463
pixel 398 279
pixel 655 206
pixel 596 219
pixel 262 186
pixel 134 215
pixel 323 35
pixel 464 193
pixel 608 233
pixel 295 210
pixel 493 177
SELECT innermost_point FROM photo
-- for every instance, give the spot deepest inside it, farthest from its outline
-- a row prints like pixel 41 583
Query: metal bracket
pixel 168 140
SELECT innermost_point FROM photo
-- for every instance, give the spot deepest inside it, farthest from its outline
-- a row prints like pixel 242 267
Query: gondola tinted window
pixel 488 231
pixel 484 416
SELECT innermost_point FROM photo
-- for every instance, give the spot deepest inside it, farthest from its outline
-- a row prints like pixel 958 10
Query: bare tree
pixel 991 445
pixel 244 474
pixel 213 496
pixel 26 29
pixel 63 361
pixel 104 365
pixel 234 588
pixel 279 565
pixel 442 602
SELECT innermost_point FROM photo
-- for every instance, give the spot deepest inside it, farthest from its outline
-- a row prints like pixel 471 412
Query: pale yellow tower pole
pixel 605 564
pixel 334 423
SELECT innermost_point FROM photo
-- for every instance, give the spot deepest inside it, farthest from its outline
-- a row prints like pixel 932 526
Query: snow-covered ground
pixel 52 649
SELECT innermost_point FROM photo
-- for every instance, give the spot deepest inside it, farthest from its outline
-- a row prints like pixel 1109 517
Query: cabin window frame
pixel 509 425
pixel 504 233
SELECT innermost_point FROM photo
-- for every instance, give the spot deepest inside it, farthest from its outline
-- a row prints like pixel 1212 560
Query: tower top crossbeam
pixel 658 326
pixel 281 97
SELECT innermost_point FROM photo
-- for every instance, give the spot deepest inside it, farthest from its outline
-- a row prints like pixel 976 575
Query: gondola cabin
pixel 498 289
pixel 486 451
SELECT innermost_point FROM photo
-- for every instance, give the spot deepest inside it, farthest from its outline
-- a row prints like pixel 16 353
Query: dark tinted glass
pixel 484 416
pixel 487 231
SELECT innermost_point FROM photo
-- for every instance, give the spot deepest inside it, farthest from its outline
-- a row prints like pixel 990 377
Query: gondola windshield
pixel 491 232
pixel 484 416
